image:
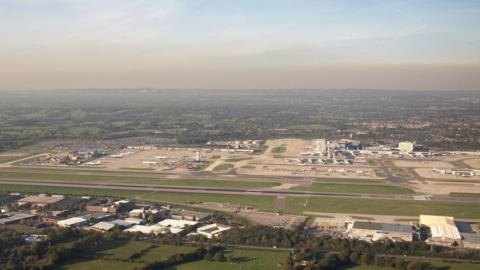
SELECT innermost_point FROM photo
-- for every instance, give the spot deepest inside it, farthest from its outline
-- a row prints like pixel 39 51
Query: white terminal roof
pixel 174 223
pixel 441 226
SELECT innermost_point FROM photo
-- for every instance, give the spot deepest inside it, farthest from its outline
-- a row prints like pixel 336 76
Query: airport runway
pixel 209 190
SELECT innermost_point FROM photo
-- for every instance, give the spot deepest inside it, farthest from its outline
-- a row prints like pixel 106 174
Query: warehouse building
pixel 441 230
pixel 370 231
pixel 72 222
pixel 15 217
pixel 190 215
pixel 9 198
pixel 406 147
pixel 213 230
pixel 41 200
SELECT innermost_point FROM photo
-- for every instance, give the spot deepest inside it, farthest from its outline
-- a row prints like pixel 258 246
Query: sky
pixel 60 44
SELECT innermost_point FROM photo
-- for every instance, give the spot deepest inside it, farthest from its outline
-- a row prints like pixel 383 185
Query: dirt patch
pixel 474 162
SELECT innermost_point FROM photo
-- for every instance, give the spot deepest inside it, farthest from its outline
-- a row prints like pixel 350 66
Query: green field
pixel 73 191
pixel 266 203
pixel 279 150
pixel 162 252
pixel 4 159
pixel 261 202
pixel 437 263
pixel 468 195
pixel 238 159
pixel 118 255
pixel 241 259
pixel 139 180
pixel 120 250
pixel 100 264
pixel 382 207
pixel 349 180
pixel 353 188
pixel 223 167
pixel 397 171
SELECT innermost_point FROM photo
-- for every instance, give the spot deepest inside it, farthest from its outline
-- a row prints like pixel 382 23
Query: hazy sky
pixel 240 44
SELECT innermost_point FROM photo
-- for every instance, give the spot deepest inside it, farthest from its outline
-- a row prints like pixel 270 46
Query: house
pixel 213 230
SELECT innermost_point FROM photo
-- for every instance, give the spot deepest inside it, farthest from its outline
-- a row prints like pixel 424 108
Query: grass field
pixel 349 180
pixel 120 250
pixel 261 202
pixel 352 188
pixel 74 191
pixel 4 159
pixel 100 264
pixel 242 259
pixel 223 167
pixel 238 159
pixel 266 203
pixel 382 207
pixel 468 195
pixel 117 255
pixel 163 252
pixel 279 149
pixel 139 180
pixel 397 171
pixel 437 263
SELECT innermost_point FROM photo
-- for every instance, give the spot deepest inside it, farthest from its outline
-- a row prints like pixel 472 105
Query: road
pixel 210 190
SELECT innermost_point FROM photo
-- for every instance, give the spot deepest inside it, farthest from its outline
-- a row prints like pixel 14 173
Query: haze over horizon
pixel 421 45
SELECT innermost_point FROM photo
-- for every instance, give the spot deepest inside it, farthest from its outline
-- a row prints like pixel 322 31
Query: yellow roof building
pixel 441 226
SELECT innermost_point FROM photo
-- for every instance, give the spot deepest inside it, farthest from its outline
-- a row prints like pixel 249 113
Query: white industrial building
pixel 174 223
pixel 213 230
pixel 442 230
pixel 146 229
pixel 371 231
pixel 103 226
pixel 72 222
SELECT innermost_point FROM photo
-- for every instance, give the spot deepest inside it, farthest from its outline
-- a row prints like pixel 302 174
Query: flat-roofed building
pixel 442 229
pixel 41 200
pixel 213 230
pixel 9 198
pixel 137 221
pixel 190 215
pixel 406 147
pixel 15 217
pixel 72 222
pixel 103 226
pixel 174 223
pixel 122 224
pixel 112 209
pixel 147 229
pixel 370 231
